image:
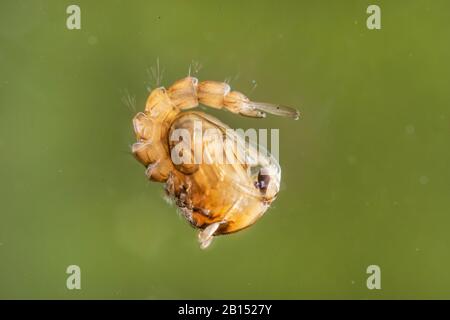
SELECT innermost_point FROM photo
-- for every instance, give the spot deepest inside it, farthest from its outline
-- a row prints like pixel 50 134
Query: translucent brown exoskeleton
pixel 215 197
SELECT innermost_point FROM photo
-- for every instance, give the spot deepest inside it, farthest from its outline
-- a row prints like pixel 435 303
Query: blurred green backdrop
pixel 365 172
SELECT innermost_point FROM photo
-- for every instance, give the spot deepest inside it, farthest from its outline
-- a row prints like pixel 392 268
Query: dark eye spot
pixel 263 182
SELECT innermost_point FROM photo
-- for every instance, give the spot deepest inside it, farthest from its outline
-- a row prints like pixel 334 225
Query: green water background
pixel 365 172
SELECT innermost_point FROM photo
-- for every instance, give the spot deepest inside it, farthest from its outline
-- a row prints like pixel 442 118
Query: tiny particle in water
pixel 351 160
pixel 424 180
pixel 409 129
pixel 92 40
